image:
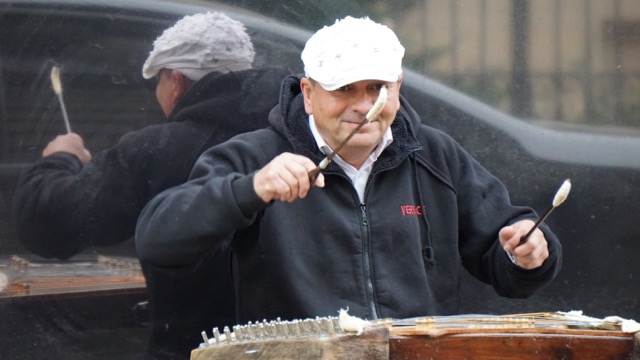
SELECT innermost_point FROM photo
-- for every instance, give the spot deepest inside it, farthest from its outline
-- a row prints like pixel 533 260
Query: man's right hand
pixel 285 178
pixel 71 143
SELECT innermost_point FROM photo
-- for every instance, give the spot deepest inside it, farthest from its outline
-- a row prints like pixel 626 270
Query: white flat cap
pixel 199 44
pixel 352 50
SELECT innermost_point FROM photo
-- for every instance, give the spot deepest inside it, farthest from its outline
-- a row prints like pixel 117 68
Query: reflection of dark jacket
pixel 430 209
pixel 63 207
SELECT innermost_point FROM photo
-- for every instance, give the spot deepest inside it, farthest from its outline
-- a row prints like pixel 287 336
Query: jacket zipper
pixel 368 271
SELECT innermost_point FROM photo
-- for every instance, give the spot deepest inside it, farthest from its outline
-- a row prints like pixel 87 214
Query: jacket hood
pixel 249 91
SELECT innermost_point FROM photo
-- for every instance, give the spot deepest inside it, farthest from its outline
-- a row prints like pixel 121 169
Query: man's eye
pixel 343 88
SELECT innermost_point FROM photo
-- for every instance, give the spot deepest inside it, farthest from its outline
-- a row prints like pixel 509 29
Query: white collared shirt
pixel 358 176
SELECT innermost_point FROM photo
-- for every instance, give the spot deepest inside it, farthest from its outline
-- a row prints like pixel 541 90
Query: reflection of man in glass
pixel 385 230
pixel 69 200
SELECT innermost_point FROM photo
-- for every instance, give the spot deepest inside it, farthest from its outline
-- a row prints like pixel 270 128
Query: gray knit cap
pixel 199 44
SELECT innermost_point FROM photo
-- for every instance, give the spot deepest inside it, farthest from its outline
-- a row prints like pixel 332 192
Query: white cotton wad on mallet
pixel 350 323
pixel 560 197
pixel 373 113
pixel 57 88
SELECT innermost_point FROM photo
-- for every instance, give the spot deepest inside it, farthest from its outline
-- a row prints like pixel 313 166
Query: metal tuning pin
pixel 205 338
pixel 275 329
pixel 238 332
pixel 227 334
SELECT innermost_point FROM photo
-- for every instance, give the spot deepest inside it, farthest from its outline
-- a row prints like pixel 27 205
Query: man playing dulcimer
pixel 386 229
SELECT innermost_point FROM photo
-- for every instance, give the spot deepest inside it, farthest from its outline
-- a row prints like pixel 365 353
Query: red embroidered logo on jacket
pixel 413 209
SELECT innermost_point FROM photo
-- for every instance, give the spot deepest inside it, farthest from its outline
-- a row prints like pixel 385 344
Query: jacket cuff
pixel 61 159
pixel 247 199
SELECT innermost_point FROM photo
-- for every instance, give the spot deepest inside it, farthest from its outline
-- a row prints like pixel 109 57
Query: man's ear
pixel 180 85
pixel 307 87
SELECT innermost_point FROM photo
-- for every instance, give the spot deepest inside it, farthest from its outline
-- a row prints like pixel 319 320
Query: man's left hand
pixel 529 255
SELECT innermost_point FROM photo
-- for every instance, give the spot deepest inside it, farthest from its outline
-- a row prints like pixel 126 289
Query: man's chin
pixel 367 141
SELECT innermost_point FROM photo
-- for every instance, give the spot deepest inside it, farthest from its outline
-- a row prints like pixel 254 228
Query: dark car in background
pixel 100 48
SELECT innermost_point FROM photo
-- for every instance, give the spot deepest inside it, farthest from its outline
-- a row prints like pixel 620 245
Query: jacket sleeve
pixel 42 200
pixel 181 224
pixel 485 208
pixel 61 207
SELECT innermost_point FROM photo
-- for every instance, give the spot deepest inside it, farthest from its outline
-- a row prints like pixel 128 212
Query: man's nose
pixel 363 101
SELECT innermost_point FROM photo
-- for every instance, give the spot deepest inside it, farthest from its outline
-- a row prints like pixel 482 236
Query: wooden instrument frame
pixel 385 341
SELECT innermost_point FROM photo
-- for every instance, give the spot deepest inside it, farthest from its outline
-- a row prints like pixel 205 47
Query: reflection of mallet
pixel 57 88
pixel 373 113
pixel 4 282
pixel 560 197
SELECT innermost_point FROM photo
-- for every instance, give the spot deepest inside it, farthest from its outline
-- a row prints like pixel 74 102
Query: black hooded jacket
pixel 429 211
pixel 62 207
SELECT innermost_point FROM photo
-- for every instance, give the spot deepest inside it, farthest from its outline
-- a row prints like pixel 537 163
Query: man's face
pixel 336 113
